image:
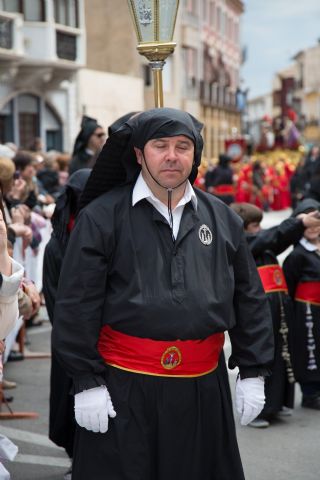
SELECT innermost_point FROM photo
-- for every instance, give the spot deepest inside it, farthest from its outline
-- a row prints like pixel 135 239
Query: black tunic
pixel 265 246
pixel 61 412
pixel 122 269
pixel 80 160
pixel 304 266
pixel 220 176
pixel 61 419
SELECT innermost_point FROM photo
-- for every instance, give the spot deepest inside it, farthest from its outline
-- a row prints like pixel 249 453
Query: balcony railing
pixel 6 33
pixel 66 46
pixel 217 96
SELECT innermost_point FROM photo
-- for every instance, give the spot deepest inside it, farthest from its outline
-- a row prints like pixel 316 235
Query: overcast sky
pixel 273 31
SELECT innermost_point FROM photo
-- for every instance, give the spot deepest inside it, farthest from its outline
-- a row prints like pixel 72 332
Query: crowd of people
pixel 41 196
pixel 272 181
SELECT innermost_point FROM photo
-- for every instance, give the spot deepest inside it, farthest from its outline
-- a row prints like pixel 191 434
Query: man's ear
pixel 138 155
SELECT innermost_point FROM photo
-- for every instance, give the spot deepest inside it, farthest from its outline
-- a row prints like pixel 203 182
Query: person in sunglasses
pixel 87 145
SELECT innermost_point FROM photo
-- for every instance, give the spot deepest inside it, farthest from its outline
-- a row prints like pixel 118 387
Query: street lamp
pixel 154 22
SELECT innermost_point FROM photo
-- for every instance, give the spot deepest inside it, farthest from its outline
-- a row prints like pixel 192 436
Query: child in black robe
pixel 265 245
pixel 302 271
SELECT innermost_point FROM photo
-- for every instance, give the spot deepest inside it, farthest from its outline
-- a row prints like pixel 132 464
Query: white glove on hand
pixel 250 398
pixel 93 408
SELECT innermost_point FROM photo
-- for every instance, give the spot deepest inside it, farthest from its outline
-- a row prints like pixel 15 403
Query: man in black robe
pixel 219 180
pixel 61 419
pixel 154 273
pixel 87 145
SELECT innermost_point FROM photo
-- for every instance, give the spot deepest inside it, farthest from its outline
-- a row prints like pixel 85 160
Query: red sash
pixel 226 189
pixel 308 292
pixel 272 278
pixel 176 358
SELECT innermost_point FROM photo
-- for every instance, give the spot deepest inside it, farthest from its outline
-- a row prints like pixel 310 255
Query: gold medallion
pixel 171 358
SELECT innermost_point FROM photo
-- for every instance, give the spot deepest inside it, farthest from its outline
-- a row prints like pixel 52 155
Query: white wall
pixel 107 96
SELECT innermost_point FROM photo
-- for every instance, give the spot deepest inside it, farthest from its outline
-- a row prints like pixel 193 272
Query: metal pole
pixel 157 67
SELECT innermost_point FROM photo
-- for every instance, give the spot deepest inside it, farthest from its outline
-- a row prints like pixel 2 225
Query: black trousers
pixel 165 428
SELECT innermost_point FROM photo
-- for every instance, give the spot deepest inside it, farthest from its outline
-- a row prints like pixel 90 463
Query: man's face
pixel 169 160
pixel 97 139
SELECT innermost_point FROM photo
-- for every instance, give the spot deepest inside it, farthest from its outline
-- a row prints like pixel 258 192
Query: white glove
pixel 93 408
pixel 250 398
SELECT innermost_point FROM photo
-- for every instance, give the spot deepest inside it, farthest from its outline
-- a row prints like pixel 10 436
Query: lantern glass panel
pixel 154 20
pixel 167 17
pixel 145 18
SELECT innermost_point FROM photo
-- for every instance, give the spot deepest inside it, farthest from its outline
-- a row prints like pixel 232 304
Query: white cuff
pixel 10 284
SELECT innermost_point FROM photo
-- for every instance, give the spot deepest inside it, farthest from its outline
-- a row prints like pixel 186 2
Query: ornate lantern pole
pixel 154 22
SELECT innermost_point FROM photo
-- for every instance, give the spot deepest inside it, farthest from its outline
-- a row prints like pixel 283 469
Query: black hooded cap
pixel 88 126
pixel 224 160
pixel 68 203
pixel 119 122
pixel 117 163
pixel 305 206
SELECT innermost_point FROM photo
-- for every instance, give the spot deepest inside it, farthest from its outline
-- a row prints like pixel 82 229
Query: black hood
pixel 68 203
pixel 305 206
pixel 224 160
pixel 88 126
pixel 119 122
pixel 117 163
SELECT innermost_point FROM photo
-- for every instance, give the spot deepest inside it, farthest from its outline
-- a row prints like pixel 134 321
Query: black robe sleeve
pixel 52 262
pixel 252 338
pixel 79 304
pixel 292 268
pixel 277 239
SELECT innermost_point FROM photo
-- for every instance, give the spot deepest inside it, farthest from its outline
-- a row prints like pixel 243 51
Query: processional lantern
pixel 154 22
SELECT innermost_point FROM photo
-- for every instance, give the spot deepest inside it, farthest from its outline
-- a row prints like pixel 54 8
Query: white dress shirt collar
pixel 308 245
pixel 141 191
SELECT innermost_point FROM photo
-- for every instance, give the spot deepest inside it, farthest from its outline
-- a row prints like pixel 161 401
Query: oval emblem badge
pixel 171 358
pixel 205 235
pixel 277 277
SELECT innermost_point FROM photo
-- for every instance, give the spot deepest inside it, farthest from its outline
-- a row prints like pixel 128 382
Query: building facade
pixel 60 59
pixel 203 75
pixel 296 89
pixel 307 91
pixel 54 67
pixel 42 46
pixel 259 111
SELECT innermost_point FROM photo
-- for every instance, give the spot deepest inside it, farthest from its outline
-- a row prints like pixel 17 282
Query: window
pixel 212 14
pixel 66 12
pixel 13 6
pixel 222 23
pixel 191 6
pixel 204 10
pixel 33 10
pixel 147 75
pixel 6 35
pixel 28 115
pixel 52 128
pixel 236 33
pixel 66 46
pixel 6 123
pixel 190 61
